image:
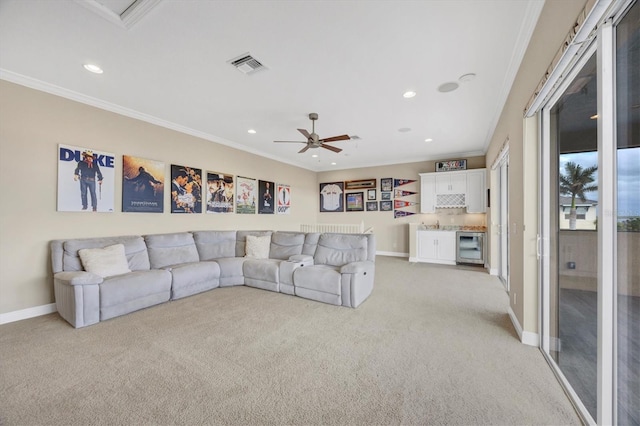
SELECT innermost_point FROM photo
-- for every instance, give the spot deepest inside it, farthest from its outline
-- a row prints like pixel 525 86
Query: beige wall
pixel 392 235
pixel 33 123
pixel 556 19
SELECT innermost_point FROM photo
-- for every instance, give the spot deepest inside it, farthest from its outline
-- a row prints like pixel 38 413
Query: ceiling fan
pixel 314 141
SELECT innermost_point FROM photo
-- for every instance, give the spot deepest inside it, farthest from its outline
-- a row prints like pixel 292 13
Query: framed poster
pixel 245 195
pixel 371 194
pixel 86 180
pixel 450 165
pixel 142 185
pixel 186 189
pixel 266 202
pixel 385 195
pixel 283 199
pixel 355 201
pixel 386 184
pixel 331 197
pixel 386 206
pixel 372 206
pixel 220 193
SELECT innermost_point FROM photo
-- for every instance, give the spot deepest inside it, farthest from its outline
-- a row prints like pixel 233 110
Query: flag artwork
pixel 400 182
pixel 398 204
pixel 401 213
pixel 401 193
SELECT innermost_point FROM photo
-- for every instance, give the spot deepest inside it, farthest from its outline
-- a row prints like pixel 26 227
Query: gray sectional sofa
pixel 332 268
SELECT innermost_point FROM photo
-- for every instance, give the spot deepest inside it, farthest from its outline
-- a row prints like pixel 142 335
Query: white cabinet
pixel 476 192
pixel 451 183
pixel 465 188
pixel 427 193
pixel 436 247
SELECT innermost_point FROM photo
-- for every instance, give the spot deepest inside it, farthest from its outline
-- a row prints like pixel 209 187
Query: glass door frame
pixel 604 48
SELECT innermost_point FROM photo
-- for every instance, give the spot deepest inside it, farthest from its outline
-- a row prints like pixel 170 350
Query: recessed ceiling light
pixel 404 129
pixel 253 132
pixel 315 155
pixel 428 140
pixel 409 94
pixel 334 163
pixel 448 87
pixel 467 77
pixel 93 68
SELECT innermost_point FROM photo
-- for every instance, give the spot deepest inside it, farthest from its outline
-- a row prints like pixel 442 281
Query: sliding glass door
pixel 590 226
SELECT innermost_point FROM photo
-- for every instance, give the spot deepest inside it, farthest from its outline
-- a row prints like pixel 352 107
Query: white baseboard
pixel 392 253
pixel 526 337
pixel 493 271
pixel 36 311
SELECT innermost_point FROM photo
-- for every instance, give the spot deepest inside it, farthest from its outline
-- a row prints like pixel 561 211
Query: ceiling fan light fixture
pixel 448 87
pixel 93 68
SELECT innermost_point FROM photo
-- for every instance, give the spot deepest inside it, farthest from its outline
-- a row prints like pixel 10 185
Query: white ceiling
pixel 348 61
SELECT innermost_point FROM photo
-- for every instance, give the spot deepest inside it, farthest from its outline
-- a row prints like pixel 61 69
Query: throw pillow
pixel 105 262
pixel 257 247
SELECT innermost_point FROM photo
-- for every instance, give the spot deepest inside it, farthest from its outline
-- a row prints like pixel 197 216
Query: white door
pixel 503 211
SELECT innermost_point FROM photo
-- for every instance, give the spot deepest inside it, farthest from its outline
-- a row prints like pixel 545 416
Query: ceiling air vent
pixel 247 64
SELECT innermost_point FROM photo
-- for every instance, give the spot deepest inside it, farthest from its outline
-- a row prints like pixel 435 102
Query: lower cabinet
pixel 436 247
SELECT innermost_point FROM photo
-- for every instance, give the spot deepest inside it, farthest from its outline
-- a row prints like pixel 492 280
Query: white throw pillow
pixel 258 247
pixel 106 262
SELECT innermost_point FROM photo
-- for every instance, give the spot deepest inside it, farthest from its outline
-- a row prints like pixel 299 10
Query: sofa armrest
pixel 77 296
pixel 78 278
pixel 357 267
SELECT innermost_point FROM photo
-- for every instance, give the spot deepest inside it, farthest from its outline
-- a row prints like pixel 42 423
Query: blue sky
pixel 628 177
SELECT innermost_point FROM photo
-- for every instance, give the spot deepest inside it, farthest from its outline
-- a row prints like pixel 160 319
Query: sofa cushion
pixel 340 249
pixel 65 255
pixel 105 262
pixel 241 240
pixel 286 244
pixel 171 249
pixel 322 278
pixel 215 244
pixel 261 269
pixel 258 247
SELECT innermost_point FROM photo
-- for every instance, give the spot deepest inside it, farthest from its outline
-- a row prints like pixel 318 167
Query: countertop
pixel 472 228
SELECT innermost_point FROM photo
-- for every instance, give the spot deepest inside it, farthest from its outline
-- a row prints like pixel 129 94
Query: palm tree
pixel 575 182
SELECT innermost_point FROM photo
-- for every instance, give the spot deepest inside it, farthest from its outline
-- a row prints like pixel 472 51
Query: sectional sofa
pixel 96 279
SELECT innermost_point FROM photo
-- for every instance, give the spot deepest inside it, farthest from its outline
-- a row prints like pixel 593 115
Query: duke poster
pixel 86 179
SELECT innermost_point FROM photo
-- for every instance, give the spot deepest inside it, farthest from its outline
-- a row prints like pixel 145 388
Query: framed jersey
pixel 332 197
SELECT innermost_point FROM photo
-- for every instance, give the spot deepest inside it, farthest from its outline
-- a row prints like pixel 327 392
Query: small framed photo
pixel 372 206
pixel 386 184
pixel 386 206
pixel 385 195
pixel 355 202
pixel 371 194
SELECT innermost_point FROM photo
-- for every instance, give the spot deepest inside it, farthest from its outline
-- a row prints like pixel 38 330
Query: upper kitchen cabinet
pixel 459 189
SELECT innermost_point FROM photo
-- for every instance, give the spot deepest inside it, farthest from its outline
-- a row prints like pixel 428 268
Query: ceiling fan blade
pixel 304 149
pixel 305 133
pixel 336 138
pixel 331 148
pixel 290 142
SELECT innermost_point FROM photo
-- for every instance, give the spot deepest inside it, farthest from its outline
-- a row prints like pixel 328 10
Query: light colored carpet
pixel 432 345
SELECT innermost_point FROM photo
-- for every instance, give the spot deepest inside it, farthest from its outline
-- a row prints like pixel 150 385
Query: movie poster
pixel 186 189
pixel 86 179
pixel 220 193
pixel 283 199
pixel 245 195
pixel 266 197
pixel 142 185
